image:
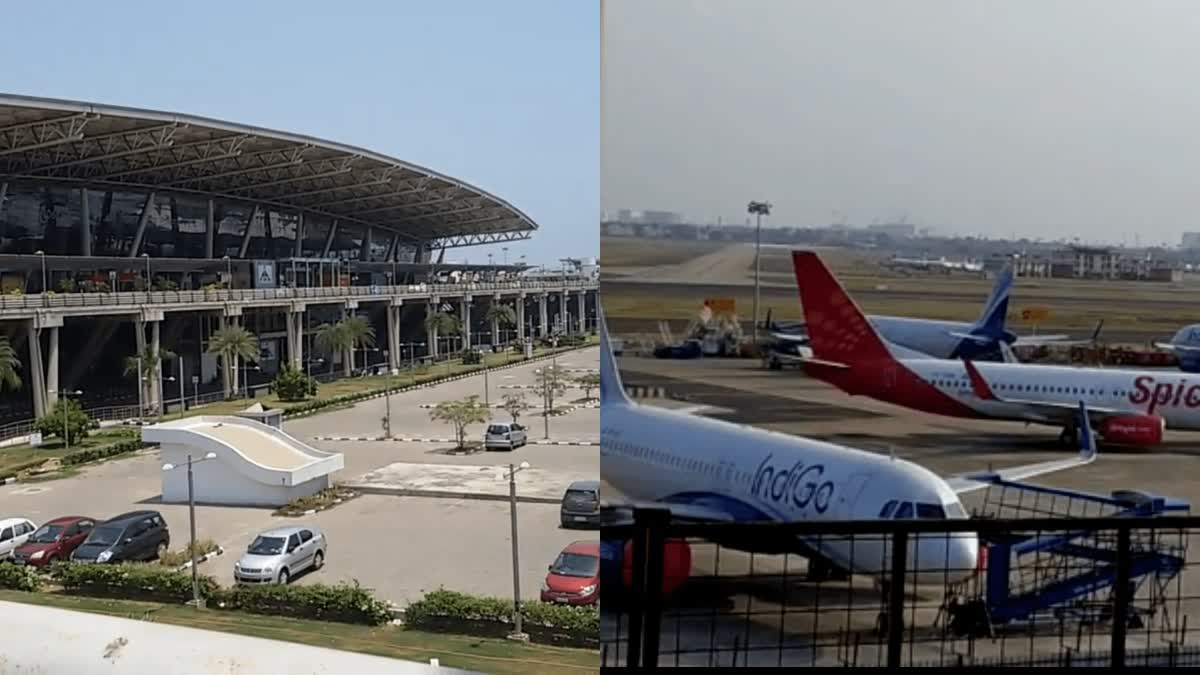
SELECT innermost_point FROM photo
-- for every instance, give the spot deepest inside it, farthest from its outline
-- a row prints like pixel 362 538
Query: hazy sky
pixel 1041 118
pixel 502 95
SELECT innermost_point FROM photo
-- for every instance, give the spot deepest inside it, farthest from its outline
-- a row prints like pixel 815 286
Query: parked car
pixel 574 578
pixel 581 504
pixel 137 535
pixel 13 533
pixel 507 435
pixel 276 556
pixel 54 540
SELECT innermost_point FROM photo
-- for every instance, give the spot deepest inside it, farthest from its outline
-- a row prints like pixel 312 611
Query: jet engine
pixel 616 555
pixel 1133 429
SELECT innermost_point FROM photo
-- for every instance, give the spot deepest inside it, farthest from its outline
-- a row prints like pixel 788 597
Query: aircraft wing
pixel 1177 347
pixel 1027 340
pixel 684 513
pixel 1049 408
pixel 969 482
pixel 790 337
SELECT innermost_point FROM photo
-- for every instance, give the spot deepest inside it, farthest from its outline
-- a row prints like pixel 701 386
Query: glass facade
pixel 45 216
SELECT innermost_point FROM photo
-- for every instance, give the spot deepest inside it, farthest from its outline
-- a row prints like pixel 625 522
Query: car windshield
pixel 497 429
pixel 48 534
pixel 105 535
pixel 266 546
pixel 581 495
pixel 576 565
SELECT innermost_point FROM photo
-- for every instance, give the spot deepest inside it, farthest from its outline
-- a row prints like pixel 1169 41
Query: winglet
pixel 838 331
pixel 611 389
pixel 978 384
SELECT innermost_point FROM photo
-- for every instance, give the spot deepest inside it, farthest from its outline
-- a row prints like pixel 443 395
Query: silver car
pixel 275 556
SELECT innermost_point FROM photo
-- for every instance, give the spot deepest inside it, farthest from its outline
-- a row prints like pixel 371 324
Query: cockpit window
pixel 955 510
pixel 887 509
pixel 930 512
pixel 905 510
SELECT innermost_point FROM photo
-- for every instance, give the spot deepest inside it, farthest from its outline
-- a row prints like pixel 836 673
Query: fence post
pixel 656 522
pixel 1121 599
pixel 895 612
pixel 637 586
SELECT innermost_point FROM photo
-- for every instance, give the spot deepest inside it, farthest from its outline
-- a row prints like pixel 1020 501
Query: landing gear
pixel 1069 437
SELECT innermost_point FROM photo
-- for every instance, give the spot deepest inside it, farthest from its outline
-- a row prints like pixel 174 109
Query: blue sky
pixel 504 95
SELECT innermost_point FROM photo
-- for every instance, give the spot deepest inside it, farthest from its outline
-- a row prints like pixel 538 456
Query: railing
pixel 49 300
pixel 1099 591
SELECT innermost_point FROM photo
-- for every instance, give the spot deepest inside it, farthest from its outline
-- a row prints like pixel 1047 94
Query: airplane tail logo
pixel 991 321
pixel 838 331
pixel 611 389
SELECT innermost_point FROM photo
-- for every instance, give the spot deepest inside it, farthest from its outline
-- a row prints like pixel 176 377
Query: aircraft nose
pixel 946 558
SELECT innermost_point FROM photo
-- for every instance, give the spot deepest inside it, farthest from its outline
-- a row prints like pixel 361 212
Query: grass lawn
pixel 477 654
pixel 20 457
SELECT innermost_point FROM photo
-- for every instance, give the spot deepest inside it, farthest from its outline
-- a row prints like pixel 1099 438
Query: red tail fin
pixel 837 328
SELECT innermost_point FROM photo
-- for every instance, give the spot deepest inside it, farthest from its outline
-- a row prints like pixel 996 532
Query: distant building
pixel 1191 240
pixel 895 230
pixel 634 217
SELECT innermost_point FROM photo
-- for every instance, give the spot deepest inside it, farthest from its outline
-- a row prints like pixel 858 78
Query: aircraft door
pixel 848 495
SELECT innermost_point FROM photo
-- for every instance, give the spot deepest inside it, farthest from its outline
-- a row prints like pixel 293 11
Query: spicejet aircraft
pixel 1126 406
pixel 708 470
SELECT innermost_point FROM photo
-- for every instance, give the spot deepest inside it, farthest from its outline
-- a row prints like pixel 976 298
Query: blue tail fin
pixel 611 389
pixel 991 321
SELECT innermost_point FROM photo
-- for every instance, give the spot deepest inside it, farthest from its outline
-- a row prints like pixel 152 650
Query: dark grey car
pixel 138 535
pixel 581 504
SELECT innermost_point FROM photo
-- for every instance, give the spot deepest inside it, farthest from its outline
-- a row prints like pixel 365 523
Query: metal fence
pixel 48 300
pixel 969 592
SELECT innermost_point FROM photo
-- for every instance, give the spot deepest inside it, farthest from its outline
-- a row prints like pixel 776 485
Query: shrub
pixel 134 581
pixel 76 425
pixel 443 604
pixel 103 452
pixel 291 384
pixel 18 577
pixel 472 358
pixel 176 558
pixel 344 603
pixel 67 285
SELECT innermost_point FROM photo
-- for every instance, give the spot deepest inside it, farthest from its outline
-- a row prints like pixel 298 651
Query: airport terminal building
pixel 113 219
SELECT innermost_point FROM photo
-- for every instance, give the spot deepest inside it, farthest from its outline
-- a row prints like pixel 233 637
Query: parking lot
pixel 399 546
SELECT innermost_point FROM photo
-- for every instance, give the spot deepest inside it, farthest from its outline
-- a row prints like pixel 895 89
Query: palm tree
pixel 361 334
pixel 232 343
pixel 499 314
pixel 332 338
pixel 9 365
pixel 150 370
pixel 438 323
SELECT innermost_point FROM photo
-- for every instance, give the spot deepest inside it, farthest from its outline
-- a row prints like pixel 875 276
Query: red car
pixel 54 541
pixel 574 578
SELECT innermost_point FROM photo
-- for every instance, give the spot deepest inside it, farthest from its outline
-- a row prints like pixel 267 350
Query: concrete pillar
pixel 136 249
pixel 364 253
pixel 329 239
pixel 496 300
pixel 393 336
pixel 156 373
pixel 85 223
pixel 3 195
pixel 295 338
pixel 298 252
pixel 564 312
pixel 140 338
pixel 249 231
pixel 210 230
pixel 465 318
pixel 430 334
pixel 543 315
pixel 521 318
pixel 52 389
pixel 36 371
pixel 582 301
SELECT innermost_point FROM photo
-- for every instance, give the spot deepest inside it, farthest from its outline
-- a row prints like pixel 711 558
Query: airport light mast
pixel 759 209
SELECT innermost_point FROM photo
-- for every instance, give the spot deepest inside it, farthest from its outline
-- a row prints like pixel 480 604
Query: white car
pixel 507 435
pixel 13 533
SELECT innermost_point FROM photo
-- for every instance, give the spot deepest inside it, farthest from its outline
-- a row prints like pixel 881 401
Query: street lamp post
pixel 486 401
pixel 192 521
pixel 63 398
pixel 759 209
pixel 517 633
pixel 246 379
pixel 182 403
pixel 147 257
pixel 228 270
pixel 141 379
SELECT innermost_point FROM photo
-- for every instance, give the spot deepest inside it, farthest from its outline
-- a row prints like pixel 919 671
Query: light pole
pixel 228 271
pixel 517 633
pixel 182 403
pixel 141 378
pixel 759 209
pixel 63 401
pixel 192 518
pixel 147 257
pixel 45 298
pixel 483 359
pixel 246 379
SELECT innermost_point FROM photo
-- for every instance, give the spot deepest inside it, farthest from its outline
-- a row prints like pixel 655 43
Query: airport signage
pixel 721 305
pixel 264 274
pixel 1035 313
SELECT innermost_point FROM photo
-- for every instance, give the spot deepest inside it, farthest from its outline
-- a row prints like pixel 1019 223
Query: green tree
pixel 500 315
pixel 515 404
pixel 362 335
pixel 440 323
pixel 293 384
pixel 461 414
pixel 77 422
pixel 342 337
pixel 232 343
pixel 9 365
pixel 587 382
pixel 551 382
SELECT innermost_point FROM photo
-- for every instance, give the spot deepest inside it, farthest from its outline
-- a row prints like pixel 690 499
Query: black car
pixel 581 504
pixel 138 535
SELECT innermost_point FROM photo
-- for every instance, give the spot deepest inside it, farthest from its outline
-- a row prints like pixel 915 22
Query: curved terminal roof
pixel 145 149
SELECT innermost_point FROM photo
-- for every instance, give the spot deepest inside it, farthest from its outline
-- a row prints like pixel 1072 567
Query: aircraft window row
pixel 901 510
pixel 666 458
pixel 1045 389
